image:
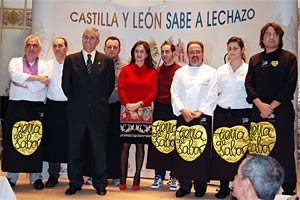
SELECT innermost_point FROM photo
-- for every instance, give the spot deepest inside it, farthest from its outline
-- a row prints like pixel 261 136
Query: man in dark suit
pixel 88 80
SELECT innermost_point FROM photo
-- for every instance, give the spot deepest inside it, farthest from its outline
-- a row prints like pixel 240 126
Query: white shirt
pixel 231 87
pixel 55 91
pixel 93 55
pixel 35 91
pixel 195 89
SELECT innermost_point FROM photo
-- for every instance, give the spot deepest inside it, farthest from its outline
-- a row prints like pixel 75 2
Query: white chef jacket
pixel 55 92
pixel 195 89
pixel 35 91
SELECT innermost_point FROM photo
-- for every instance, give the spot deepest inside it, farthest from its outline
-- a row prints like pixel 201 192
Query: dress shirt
pixel 93 53
pixel 35 91
pixel 55 92
pixel 195 89
pixel 119 64
pixel 231 87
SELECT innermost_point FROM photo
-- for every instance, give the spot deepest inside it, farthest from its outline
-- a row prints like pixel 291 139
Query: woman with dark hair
pixel 232 115
pixel 137 90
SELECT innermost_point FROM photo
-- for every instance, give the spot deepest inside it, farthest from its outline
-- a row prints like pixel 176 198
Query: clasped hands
pixel 265 110
pixel 190 115
pixel 131 107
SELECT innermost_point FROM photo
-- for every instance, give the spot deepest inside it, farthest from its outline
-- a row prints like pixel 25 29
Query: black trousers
pixel 186 184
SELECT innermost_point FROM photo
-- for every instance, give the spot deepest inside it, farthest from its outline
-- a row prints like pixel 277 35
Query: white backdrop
pixel 210 21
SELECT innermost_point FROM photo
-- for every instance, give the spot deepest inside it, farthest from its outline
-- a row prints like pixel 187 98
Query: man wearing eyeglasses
pixel 112 48
pixel 87 81
pixel 193 95
pixel 270 84
pixel 23 131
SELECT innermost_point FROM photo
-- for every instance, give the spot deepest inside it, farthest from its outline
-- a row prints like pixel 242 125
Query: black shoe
pixel 288 193
pixel 11 183
pixel 38 184
pixel 101 191
pixel 222 193
pixel 52 182
pixel 72 190
pixel 181 193
pixel 200 192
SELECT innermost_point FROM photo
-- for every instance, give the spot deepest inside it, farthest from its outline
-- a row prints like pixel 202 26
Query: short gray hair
pixel 93 29
pixel 265 173
pixel 32 37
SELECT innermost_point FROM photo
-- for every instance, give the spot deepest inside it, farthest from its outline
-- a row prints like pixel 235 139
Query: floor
pixel 24 191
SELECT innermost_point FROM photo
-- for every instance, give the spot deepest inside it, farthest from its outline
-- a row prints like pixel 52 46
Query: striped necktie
pixel 89 63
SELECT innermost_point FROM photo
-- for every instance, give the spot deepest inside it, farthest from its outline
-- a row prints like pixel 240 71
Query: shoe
pixel 181 193
pixel 200 191
pixel 122 186
pixel 136 182
pixel 116 182
pixel 222 193
pixel 38 184
pixel 52 182
pixel 72 190
pixel 288 193
pixel 89 181
pixel 136 187
pixel 173 184
pixel 157 182
pixel 101 191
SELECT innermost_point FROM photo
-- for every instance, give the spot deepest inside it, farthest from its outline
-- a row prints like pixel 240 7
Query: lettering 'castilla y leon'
pixel 137 20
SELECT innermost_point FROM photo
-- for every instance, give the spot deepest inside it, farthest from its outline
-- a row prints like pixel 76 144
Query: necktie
pixel 89 63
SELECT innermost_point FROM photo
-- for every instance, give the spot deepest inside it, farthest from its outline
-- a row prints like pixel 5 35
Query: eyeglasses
pixel 195 52
pixel 112 47
pixel 34 46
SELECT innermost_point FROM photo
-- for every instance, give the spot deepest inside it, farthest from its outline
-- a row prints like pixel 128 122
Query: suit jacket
pixel 88 93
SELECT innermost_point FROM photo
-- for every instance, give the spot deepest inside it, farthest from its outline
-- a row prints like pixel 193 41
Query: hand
pixel 19 84
pixel 196 114
pixel 187 115
pixel 265 116
pixel 44 80
pixel 133 115
pixel 133 106
pixel 265 109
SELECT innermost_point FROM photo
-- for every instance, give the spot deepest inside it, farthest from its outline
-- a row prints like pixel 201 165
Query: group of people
pixel 198 121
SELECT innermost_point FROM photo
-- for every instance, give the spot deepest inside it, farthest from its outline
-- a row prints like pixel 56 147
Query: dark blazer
pixel 88 94
pixel 87 111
